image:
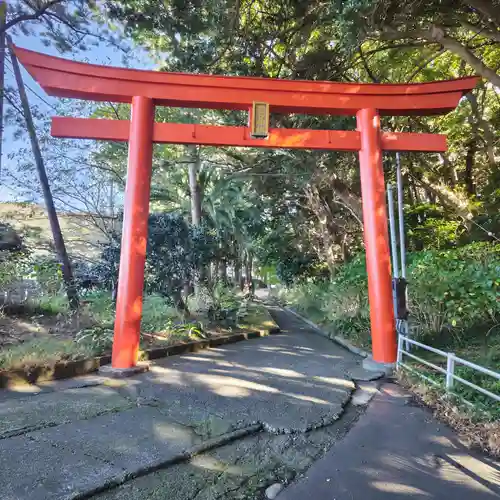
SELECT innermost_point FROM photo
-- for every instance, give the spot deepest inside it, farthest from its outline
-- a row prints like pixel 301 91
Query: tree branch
pixel 437 34
pixel 30 17
pixel 486 8
pixel 492 35
pixel 367 68
pixel 423 64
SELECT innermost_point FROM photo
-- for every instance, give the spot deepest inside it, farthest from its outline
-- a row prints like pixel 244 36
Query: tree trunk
pixel 186 290
pixel 223 270
pixel 346 254
pixel 47 194
pixel 469 167
pixel 196 198
pixel 453 200
pixel 407 184
pixel 237 270
pixel 194 185
pixel 469 57
pixel 449 170
pixel 489 137
pixel 249 270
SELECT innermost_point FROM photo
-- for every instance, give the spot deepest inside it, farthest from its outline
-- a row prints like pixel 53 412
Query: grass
pixel 255 317
pixel 95 337
pixel 162 325
pixel 477 429
pixel 484 351
pixel 43 351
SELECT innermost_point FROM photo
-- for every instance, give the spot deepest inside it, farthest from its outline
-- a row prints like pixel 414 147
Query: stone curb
pixel 69 369
pixel 208 445
pixel 336 338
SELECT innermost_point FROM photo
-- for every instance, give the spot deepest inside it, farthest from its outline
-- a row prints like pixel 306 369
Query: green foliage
pixel 12 267
pixel 97 339
pixel 430 226
pixel 62 24
pixel 216 301
pixel 48 274
pixel 158 314
pixel 53 304
pixel 450 292
pixel 455 290
pixel 224 296
pixel 293 266
pixel 175 252
pixel 169 257
pixel 486 382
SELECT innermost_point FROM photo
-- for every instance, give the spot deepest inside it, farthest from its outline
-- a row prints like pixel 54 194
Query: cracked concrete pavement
pixel 67 443
pixel 398 450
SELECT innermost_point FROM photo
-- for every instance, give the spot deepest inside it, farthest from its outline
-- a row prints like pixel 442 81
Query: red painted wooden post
pixel 376 238
pixel 134 236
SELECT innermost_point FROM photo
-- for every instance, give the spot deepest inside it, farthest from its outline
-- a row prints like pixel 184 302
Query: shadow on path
pixel 398 450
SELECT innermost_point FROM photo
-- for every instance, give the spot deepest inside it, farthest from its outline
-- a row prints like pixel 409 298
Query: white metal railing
pixel 448 372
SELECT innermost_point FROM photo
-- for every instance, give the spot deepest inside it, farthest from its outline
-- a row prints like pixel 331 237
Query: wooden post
pixel 134 235
pixel 378 262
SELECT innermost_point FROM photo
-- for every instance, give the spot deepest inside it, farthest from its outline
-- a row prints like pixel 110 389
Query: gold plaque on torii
pixel 259 120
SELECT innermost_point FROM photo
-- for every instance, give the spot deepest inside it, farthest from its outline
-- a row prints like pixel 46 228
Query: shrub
pixel 48 274
pixel 158 313
pixel 96 340
pixel 430 226
pixel 455 291
pixel 294 266
pixel 176 251
pixel 450 292
pixel 51 304
pixel 101 307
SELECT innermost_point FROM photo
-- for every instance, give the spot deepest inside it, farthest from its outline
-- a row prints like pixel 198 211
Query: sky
pixel 100 54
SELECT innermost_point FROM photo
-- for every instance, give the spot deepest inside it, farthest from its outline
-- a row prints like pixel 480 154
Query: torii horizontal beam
pixel 62 78
pixel 214 135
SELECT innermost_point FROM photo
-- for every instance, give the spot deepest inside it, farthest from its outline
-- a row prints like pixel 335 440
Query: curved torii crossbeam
pixel 147 89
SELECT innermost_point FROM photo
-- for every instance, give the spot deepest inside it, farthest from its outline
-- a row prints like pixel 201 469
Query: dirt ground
pixel 19 327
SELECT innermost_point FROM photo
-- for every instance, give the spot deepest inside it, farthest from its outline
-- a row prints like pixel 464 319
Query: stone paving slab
pixel 292 382
pixel 132 439
pixel 240 470
pixel 397 450
pixel 35 470
pixel 289 383
pixel 23 415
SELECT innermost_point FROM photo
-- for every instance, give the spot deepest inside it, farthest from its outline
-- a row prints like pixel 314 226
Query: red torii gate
pixel 147 89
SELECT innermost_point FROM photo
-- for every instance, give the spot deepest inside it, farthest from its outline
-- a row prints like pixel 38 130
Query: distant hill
pixel 82 231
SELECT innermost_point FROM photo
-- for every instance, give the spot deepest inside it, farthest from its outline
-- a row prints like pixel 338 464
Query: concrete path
pixel 67 443
pixel 397 450
pixel 225 424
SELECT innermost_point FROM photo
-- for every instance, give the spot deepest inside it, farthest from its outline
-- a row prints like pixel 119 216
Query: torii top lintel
pixel 63 78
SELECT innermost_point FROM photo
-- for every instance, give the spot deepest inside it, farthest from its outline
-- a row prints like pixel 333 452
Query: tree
pixel 314 197
pixel 47 194
pixel 69 25
pixel 468 29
